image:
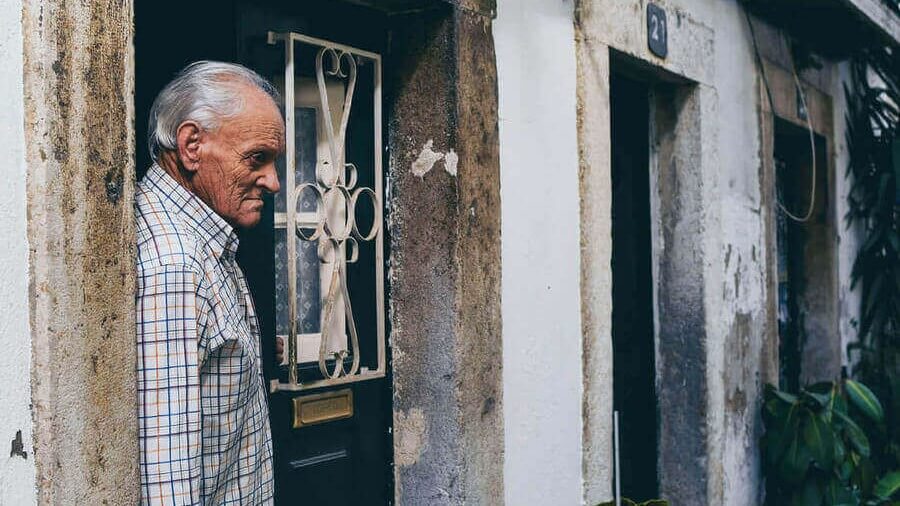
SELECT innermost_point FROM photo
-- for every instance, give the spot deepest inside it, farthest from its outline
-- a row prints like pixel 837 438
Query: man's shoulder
pixel 162 239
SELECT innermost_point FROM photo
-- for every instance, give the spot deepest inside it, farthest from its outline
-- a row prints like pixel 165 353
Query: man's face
pixel 237 161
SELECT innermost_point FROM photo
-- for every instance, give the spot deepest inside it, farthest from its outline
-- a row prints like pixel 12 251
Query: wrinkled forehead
pixel 259 121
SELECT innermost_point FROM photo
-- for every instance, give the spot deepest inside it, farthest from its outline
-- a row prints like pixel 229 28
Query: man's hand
pixel 279 349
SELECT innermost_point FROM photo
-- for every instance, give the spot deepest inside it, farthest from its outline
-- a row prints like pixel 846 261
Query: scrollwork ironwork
pixel 335 229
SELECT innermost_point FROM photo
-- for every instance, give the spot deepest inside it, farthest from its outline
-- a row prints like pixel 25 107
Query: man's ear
pixel 188 139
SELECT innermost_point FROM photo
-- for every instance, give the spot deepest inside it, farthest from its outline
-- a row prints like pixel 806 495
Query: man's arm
pixel 168 386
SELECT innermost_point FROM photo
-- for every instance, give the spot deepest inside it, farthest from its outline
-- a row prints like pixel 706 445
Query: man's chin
pixel 248 220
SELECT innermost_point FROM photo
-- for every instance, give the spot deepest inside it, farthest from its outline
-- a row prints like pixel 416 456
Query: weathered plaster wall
pixel 595 197
pixel 542 380
pixel 78 84
pixel 17 470
pixel 738 304
pixel 687 182
pixel 444 275
pixel 849 237
pixel 821 357
pixel 713 206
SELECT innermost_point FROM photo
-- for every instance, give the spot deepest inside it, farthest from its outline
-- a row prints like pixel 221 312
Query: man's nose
pixel 269 179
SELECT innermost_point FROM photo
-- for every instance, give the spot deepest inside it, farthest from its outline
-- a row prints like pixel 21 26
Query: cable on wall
pixel 812 142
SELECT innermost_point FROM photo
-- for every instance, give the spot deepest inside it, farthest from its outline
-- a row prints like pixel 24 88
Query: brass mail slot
pixel 324 407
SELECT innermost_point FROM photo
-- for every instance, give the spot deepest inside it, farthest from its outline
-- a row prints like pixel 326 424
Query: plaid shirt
pixel 204 429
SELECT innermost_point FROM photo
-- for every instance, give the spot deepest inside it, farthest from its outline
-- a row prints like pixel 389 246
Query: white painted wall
pixel 737 285
pixel 542 376
pixel 17 474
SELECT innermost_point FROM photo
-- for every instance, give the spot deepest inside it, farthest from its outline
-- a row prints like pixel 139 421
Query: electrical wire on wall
pixel 812 141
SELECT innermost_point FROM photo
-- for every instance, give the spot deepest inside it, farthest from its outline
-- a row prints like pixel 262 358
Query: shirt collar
pixel 193 212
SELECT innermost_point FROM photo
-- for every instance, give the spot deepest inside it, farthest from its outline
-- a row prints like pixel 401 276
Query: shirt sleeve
pixel 169 385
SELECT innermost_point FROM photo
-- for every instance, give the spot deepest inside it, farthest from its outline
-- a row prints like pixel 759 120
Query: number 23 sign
pixel 657 30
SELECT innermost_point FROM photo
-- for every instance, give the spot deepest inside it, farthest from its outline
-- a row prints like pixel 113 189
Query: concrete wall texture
pixel 78 82
pixel 542 376
pixel 17 470
pixel 445 260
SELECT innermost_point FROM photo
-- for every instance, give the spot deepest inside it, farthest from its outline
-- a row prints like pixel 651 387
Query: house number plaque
pixel 657 30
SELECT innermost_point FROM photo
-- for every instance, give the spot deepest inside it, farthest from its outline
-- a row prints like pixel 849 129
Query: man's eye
pixel 258 158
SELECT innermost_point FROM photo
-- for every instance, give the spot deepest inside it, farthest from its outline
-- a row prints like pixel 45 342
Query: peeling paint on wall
pixel 451 159
pixel 428 157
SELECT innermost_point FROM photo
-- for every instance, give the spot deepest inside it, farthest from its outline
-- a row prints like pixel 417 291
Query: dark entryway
pixel 348 460
pixel 805 257
pixel 634 390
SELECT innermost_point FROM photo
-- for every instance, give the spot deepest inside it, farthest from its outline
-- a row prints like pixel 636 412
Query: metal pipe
pixel 618 490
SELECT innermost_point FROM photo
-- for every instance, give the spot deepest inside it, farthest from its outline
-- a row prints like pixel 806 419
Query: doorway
pixel 634 361
pixel 332 444
pixel 808 345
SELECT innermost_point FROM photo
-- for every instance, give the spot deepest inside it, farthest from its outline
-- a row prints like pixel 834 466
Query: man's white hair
pixel 204 92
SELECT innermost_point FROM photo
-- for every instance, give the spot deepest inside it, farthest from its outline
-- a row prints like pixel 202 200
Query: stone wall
pixel 444 227
pixel 80 144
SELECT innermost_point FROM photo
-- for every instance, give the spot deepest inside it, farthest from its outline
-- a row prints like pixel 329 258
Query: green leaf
pixel 786 397
pixel 865 400
pixel 820 439
pixel 777 409
pixel 782 433
pixel 888 485
pixel 816 400
pixel 864 476
pixel 811 494
pixel 837 494
pixel 856 435
pixel 839 404
pixel 845 471
pixel 840 451
pixel 795 462
pixel 655 502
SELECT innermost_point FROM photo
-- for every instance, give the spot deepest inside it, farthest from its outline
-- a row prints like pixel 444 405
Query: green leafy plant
pixel 873 140
pixel 817 447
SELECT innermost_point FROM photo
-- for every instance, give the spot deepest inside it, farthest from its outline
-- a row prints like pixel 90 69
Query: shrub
pixel 817 447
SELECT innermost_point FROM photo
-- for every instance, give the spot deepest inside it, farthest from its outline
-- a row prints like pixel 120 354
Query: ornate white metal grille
pixel 327 217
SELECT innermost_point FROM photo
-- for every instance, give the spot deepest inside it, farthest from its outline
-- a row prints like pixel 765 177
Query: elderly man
pixel 215 132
